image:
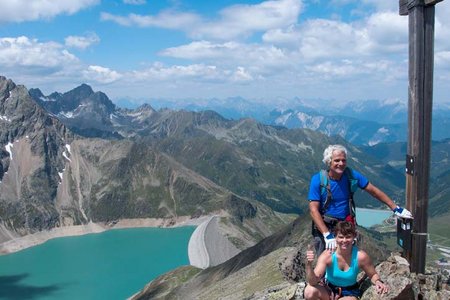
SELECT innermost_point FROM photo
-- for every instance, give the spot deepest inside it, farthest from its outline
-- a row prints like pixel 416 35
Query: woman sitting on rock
pixel 341 268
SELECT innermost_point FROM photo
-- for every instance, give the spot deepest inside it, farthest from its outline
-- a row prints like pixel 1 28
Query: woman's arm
pixel 313 277
pixel 365 263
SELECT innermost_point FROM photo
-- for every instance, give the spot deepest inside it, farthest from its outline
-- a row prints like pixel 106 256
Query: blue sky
pixel 344 50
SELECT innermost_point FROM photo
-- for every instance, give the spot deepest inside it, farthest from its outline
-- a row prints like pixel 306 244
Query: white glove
pixel 402 212
pixel 330 241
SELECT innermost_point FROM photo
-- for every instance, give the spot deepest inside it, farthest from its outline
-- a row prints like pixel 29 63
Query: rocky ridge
pixel 28 186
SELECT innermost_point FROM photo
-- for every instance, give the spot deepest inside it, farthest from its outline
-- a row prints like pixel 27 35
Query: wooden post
pixel 420 103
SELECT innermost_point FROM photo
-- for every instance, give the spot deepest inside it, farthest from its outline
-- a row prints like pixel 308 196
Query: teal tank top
pixel 337 277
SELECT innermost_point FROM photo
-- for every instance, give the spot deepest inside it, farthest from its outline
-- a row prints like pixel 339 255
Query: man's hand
pixel 402 212
pixel 330 241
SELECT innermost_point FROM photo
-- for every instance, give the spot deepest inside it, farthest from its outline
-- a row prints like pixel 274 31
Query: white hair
pixel 328 153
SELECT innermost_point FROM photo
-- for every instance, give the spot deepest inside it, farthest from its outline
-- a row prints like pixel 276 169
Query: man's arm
pixel 381 196
pixel 314 211
pixel 330 241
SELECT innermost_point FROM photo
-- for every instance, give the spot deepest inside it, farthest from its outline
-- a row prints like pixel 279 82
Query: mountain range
pixel 360 122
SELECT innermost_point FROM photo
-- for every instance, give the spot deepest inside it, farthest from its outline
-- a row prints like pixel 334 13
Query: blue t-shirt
pixel 339 206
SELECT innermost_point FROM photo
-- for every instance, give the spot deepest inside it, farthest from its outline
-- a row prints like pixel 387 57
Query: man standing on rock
pixel 331 197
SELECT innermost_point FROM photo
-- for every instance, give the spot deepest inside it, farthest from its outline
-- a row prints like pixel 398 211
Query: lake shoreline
pixel 19 243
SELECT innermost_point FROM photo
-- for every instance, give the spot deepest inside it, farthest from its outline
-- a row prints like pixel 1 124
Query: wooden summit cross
pixel 420 102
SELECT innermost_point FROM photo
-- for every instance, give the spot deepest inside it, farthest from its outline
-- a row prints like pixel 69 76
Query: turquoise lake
pixel 369 217
pixel 111 265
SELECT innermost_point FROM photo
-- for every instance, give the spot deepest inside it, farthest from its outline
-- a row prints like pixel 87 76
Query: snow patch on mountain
pixel 281 120
pixel 67 115
pixel 5 118
pixel 8 148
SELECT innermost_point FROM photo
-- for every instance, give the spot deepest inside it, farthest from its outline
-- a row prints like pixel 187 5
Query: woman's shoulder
pixel 363 257
pixel 326 257
pixel 359 250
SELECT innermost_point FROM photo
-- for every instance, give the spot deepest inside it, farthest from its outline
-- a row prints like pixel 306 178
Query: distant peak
pixel 35 93
pixel 145 107
pixel 84 87
pixel 6 84
pixel 55 95
pixel 83 90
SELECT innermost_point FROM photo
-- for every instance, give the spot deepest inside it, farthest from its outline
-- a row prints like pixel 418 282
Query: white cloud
pixel 388 32
pixel 46 65
pixel 330 69
pixel 166 19
pixel 195 71
pixel 203 50
pixel 442 25
pixel 315 39
pixel 231 54
pixel 82 42
pixel 235 21
pixel 442 66
pixel 378 70
pixel 28 10
pixel 243 20
pixel 135 2
pixel 442 58
pixel 289 36
pixel 327 48
pixel 322 38
pixel 24 52
pixel 101 74
pixel 241 75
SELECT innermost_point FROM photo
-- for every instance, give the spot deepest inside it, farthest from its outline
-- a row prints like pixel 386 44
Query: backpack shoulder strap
pixel 325 186
pixel 352 180
pixel 352 187
pixel 323 180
